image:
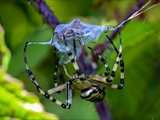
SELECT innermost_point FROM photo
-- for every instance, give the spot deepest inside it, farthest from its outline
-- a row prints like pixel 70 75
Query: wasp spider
pixel 89 85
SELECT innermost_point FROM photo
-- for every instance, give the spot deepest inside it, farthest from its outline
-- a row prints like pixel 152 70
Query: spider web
pixel 77 34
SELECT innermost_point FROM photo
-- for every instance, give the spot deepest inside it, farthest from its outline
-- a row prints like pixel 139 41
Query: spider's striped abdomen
pixel 95 94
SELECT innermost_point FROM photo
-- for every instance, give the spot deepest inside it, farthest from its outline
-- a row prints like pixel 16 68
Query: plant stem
pixel 45 11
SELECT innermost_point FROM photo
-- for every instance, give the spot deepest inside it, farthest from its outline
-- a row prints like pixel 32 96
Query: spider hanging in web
pixel 89 85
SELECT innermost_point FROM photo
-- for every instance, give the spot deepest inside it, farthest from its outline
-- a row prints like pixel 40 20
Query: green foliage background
pixel 141 48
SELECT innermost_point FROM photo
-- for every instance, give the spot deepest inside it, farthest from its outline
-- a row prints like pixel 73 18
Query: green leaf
pixel 34 52
pixel 16 102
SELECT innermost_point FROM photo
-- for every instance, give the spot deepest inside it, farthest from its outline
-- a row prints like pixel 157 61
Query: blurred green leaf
pixel 17 22
pixel 34 52
pixel 4 51
pixel 65 9
pixel 21 104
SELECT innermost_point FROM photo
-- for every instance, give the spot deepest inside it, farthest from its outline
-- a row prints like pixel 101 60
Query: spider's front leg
pixel 46 94
pixel 103 61
pixel 73 60
pixel 119 59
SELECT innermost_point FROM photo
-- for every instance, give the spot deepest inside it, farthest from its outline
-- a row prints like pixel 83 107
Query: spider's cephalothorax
pixel 90 91
pixel 89 85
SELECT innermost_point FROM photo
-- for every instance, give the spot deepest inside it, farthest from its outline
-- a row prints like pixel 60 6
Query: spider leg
pixel 47 94
pixel 55 76
pixel 121 62
pixel 101 77
pixel 62 88
pixel 55 71
pixel 65 70
pixel 103 61
pixel 71 57
pixel 40 43
pixel 56 68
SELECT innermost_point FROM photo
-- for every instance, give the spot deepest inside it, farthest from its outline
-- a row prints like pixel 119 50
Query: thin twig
pixel 137 7
pixel 103 110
